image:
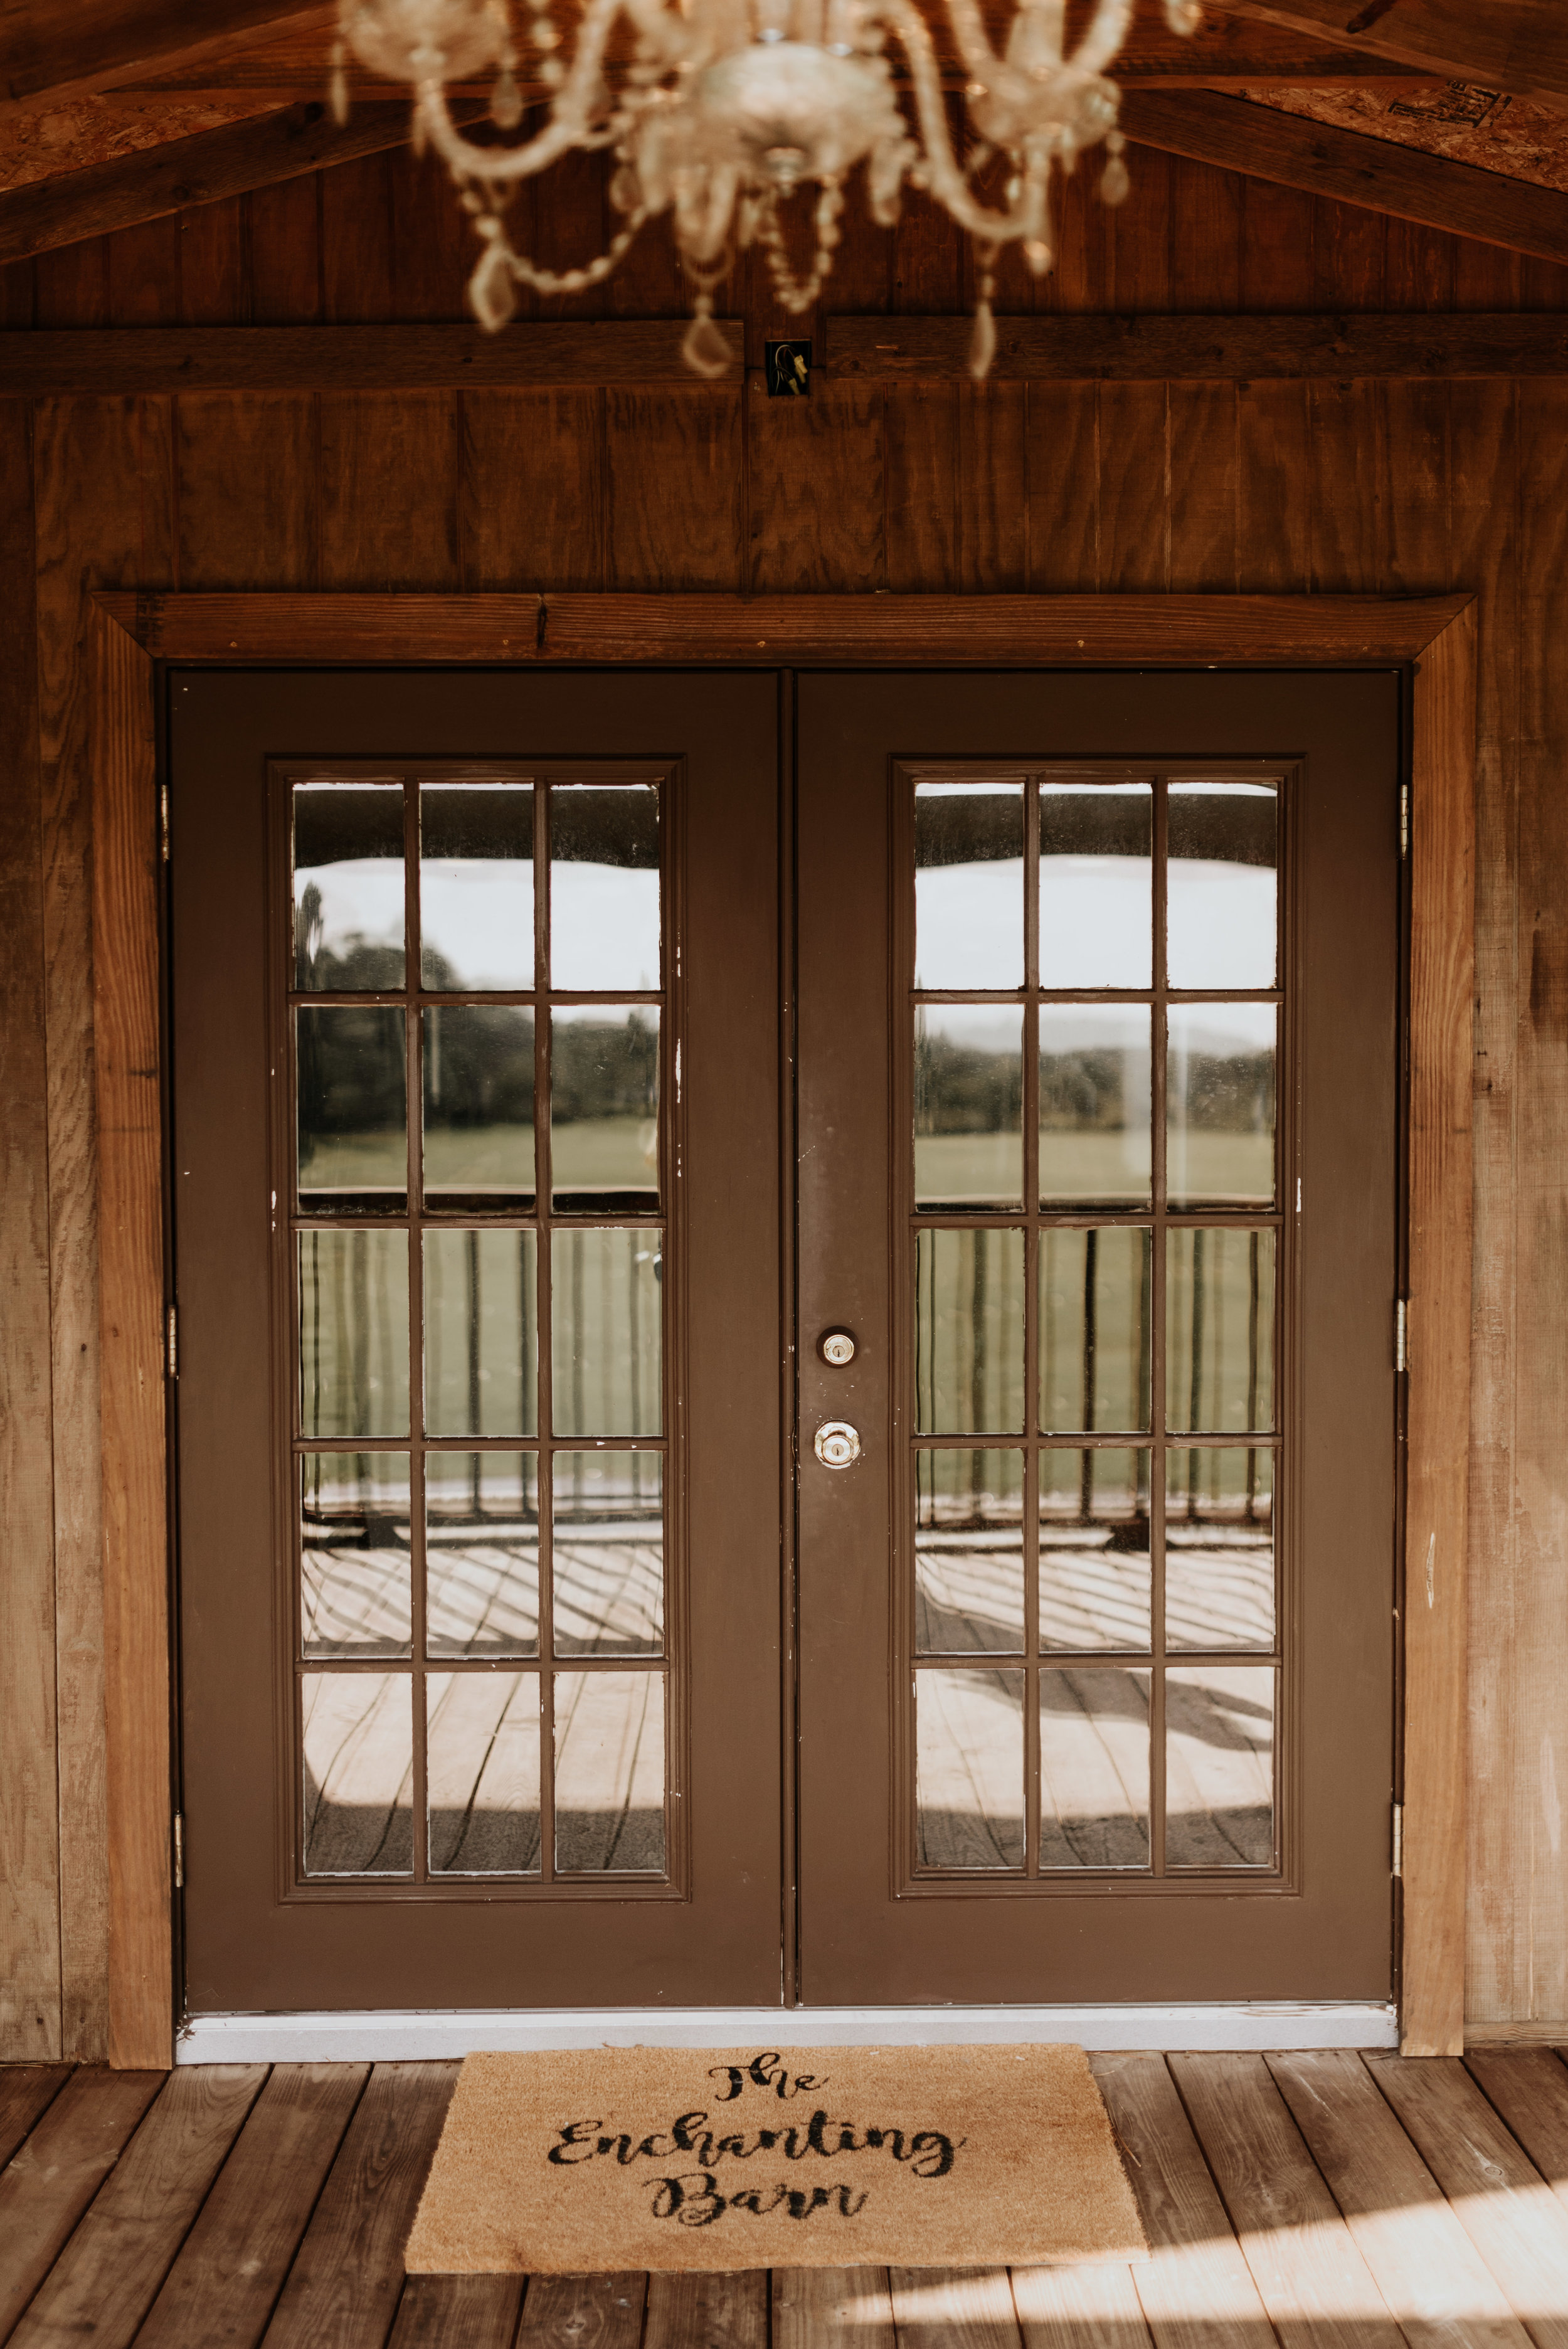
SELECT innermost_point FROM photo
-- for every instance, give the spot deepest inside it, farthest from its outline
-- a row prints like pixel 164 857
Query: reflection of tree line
pixel 962 1087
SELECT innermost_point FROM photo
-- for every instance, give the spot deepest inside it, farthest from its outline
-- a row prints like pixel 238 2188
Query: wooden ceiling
pixel 1453 112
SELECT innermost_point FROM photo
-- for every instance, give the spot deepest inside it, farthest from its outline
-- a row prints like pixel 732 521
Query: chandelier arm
pixel 566 128
pixel 974 42
pixel 947 181
pixel 1103 40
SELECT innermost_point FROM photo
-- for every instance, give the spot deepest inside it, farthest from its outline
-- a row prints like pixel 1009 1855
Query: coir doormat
pixel 615 2158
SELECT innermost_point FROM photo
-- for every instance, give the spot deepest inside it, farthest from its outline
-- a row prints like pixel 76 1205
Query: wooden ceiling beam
pixel 1291 149
pixel 1519 46
pixel 50 52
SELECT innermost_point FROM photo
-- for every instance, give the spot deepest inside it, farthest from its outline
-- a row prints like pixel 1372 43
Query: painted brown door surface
pixel 475 1050
pixel 1097 1167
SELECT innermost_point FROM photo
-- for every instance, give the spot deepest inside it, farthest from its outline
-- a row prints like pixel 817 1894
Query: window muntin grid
pixel 481 1587
pixel 1095 1648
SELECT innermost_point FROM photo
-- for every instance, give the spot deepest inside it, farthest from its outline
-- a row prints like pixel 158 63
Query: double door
pixel 785 1386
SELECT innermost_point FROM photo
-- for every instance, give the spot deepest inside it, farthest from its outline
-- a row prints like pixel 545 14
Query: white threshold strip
pixel 391 2036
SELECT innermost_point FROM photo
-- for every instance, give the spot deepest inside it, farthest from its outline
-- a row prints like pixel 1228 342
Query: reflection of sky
pixel 604 926
pixel 1096 924
pixel 1220 1030
pixel 361 900
pixel 1219 923
pixel 969 924
pixel 477 913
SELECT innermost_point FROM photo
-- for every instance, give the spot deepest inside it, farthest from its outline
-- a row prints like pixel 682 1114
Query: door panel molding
pixel 1435 636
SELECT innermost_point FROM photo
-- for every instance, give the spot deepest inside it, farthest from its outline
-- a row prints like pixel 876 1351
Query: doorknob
pixel 836 1445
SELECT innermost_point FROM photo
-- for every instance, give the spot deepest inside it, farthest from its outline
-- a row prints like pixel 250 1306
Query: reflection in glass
pixel 355 1559
pixel 1219 1330
pixel 609 1772
pixel 1218 1765
pixel 359 1743
pixel 1220 913
pixel 969 1332
pixel 604 1107
pixel 969 884
pixel 968 1553
pixel 482 1766
pixel 968 1105
pixel 608 1340
pixel 353 1333
pixel 607 1551
pixel 1219 1548
pixel 1094 1549
pixel 481 1554
pixel 1096 864
pixel 349 886
pixel 476 886
pixel 1094 1769
pixel 604 886
pixel 481 1339
pixel 969 1768
pixel 352 1088
pixel 1093 1104
pixel 1095 1329
pixel 478 1107
pixel 1220 1110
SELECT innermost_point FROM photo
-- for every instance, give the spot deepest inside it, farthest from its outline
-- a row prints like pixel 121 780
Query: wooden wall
pixel 1147 486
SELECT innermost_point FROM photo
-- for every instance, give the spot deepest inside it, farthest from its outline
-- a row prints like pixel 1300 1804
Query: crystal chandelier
pixel 727 107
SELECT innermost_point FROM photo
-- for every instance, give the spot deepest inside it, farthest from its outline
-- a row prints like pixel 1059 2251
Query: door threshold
pixel 391 2035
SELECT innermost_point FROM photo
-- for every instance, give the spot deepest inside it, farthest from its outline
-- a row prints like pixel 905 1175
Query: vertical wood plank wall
pixel 1332 487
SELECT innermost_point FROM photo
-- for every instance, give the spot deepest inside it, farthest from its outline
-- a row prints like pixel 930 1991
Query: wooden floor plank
pixel 223 2286
pixel 1078 2308
pixel 1197 2292
pixel 1528 2087
pixel 1504 2205
pixel 26 2092
pixel 953 2307
pixel 107 2276
pixel 707 2311
pixel 54 2176
pixel 347 2277
pixel 458 2312
pixel 1313 2281
pixel 596 2312
pixel 1440 2290
pixel 832 2308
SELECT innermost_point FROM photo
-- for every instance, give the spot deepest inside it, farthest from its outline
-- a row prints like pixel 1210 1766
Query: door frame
pixel 1433 639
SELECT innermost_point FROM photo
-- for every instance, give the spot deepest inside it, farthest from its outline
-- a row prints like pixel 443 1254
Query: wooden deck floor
pixel 1321 2201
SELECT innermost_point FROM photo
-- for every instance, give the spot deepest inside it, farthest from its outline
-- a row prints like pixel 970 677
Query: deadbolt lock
pixel 836 1443
pixel 837 1347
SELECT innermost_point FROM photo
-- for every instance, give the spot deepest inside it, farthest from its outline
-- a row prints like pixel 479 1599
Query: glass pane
pixel 1218 1765
pixel 481 1338
pixel 969 1332
pixel 607 1549
pixel 1094 1769
pixel 1219 1548
pixel 1219 1330
pixel 1095 1132
pixel 358 1737
pixel 1221 919
pixel 604 888
pixel 481 1761
pixel 476 886
pixel 353 1333
pixel 604 1107
pixel 968 1552
pixel 608 1342
pixel 969 884
pixel 355 1556
pixel 1094 1549
pixel 1096 895
pixel 481 1554
pixel 349 886
pixel 1220 1110
pixel 1095 1329
pixel 609 1772
pixel 969 1768
pixel 478 1107
pixel 968 1106
pixel 352 1081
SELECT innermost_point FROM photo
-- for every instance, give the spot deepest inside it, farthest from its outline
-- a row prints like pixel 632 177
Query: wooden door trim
pixel 1436 637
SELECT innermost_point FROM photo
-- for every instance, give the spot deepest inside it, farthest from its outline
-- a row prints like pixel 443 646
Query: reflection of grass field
pixel 591 1153
pixel 1085 1169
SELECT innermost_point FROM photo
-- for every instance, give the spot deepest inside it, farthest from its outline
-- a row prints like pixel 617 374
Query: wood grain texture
pixel 127 1054
pixel 832 2308
pixel 27 2090
pixel 107 2277
pixel 246 488
pixel 389 469
pixel 1437 1503
pixel 1529 2088
pixel 1515 44
pixel 597 2312
pixel 48 2185
pixel 706 2312
pixel 953 2307
pixel 29 1804
pixel 675 490
pixel 47 55
pixel 471 2312
pixel 1079 2308
pixel 534 490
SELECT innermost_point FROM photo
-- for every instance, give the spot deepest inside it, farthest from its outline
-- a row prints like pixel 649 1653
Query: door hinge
pixel 1399 1867
pixel 1402 1333
pixel 180 1853
pixel 1404 819
pixel 163 821
pixel 173 1343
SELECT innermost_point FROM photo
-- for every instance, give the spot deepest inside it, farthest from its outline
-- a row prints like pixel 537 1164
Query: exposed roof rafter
pixel 1519 46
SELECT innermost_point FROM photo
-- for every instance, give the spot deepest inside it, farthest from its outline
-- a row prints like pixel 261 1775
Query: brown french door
pixel 1098 1118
